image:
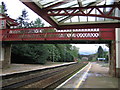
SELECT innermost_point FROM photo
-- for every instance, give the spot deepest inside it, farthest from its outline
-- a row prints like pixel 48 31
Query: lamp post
pixel 53 53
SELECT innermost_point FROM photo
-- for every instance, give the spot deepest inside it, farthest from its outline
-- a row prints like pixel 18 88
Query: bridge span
pixel 61 16
pixel 51 34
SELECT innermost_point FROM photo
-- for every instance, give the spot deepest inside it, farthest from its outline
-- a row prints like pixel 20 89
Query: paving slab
pixel 98 77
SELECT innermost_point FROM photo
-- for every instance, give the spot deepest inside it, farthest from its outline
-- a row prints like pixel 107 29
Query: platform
pixel 19 68
pixel 94 75
pixel 98 77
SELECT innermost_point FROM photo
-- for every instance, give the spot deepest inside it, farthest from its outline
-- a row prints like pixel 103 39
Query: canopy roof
pixel 9 21
pixel 64 14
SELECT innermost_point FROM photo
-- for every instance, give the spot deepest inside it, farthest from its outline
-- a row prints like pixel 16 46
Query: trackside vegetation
pixel 41 53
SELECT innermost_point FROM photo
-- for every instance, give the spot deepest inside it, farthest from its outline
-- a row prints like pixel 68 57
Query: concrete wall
pixel 5 56
pixel 118 52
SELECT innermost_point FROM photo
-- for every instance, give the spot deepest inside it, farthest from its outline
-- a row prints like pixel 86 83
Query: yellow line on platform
pixel 71 77
pixel 80 82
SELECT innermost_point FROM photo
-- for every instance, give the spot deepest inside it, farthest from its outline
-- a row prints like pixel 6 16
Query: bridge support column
pixel 112 62
pixel 117 30
pixel 118 52
pixel 5 55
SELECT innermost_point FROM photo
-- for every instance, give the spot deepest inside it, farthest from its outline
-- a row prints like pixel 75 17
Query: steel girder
pixel 88 26
pixel 48 13
pixel 80 11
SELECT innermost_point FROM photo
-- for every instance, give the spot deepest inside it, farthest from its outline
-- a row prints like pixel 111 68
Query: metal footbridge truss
pixel 70 14
pixel 70 20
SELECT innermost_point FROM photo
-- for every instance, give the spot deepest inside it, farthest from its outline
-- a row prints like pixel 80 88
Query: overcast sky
pixel 15 8
pixel 90 48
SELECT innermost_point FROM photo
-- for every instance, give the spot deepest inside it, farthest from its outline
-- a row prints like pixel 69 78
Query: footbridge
pixel 46 34
pixel 72 21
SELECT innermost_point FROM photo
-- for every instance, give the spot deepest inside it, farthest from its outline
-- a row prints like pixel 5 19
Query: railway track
pixel 48 78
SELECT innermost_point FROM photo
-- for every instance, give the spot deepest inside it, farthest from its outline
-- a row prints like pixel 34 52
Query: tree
pixel 3 9
pixel 74 52
pixel 23 19
pixel 40 53
pixel 29 53
pixel 100 52
pixel 54 53
pixel 67 53
pixel 38 23
pixel 61 49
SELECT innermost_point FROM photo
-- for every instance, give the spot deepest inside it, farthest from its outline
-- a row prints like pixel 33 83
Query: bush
pixel 29 53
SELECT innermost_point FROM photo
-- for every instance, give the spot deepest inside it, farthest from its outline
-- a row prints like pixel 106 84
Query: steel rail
pixel 49 74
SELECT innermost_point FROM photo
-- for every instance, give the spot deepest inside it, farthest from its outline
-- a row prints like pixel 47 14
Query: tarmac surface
pixel 94 75
pixel 98 77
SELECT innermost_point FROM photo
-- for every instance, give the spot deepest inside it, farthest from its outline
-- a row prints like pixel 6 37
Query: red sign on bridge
pixel 49 33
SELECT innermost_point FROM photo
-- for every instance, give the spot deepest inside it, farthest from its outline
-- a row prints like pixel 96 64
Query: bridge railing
pixel 49 33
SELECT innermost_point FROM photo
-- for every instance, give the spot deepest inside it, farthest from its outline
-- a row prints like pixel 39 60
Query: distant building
pixel 85 58
pixel 90 57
